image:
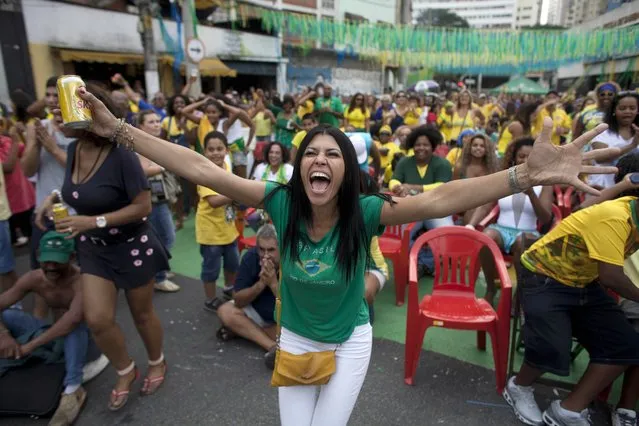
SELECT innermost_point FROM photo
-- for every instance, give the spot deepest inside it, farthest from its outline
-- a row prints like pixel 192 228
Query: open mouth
pixel 319 182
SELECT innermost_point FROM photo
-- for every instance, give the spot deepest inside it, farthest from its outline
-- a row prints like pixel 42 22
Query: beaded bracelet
pixel 513 181
pixel 121 135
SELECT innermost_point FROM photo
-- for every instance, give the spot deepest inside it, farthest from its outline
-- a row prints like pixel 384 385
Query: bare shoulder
pixel 31 281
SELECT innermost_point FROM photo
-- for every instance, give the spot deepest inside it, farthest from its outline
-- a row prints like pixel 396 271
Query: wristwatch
pixel 101 222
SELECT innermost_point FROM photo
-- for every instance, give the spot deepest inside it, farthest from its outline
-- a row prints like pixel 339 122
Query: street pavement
pixel 217 383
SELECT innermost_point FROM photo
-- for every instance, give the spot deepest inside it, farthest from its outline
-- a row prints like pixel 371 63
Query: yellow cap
pixel 386 129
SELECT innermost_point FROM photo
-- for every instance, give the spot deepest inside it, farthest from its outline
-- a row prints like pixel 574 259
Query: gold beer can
pixel 60 211
pixel 75 113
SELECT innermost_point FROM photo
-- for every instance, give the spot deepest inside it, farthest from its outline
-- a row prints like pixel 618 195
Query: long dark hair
pixel 362 107
pixel 611 117
pixel 524 115
pixel 353 240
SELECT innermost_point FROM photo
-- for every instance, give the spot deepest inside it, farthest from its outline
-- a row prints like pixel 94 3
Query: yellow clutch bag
pixel 310 368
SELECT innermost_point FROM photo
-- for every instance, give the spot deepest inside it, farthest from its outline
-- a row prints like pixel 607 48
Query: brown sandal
pixel 124 394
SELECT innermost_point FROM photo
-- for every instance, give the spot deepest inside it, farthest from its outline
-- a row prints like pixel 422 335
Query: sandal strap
pixel 157 362
pixel 119 394
pixel 127 370
pixel 149 381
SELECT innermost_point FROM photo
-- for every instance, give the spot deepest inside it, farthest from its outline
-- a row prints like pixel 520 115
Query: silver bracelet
pixel 513 182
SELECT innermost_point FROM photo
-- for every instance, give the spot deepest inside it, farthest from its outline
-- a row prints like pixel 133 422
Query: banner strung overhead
pixel 503 51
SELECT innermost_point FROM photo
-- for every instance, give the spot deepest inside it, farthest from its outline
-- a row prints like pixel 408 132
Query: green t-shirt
pixel 438 171
pixel 317 302
pixel 335 105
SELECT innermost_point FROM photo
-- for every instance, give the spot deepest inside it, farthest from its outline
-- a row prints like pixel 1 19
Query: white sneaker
pixel 556 415
pixel 93 368
pixel 623 417
pixel 522 400
pixel 167 286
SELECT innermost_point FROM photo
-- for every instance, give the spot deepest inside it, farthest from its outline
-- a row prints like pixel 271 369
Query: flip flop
pixel 116 395
pixel 150 386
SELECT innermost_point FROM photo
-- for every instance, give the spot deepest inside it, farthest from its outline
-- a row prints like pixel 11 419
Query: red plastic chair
pixel 395 244
pixel 244 242
pixel 452 303
pixel 568 199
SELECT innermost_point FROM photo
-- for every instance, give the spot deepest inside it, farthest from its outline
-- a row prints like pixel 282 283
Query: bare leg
pixel 209 290
pixel 234 319
pixel 99 297
pixel 229 278
pixel 630 390
pixel 140 302
pixel 594 380
pixel 488 265
pixel 527 375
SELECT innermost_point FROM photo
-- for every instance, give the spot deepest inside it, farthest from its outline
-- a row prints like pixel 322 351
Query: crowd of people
pixel 318 177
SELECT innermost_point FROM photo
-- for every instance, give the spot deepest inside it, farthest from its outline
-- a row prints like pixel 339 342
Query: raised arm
pixel 180 160
pixel 546 165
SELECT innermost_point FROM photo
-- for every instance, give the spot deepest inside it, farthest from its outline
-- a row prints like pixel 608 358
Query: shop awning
pixel 68 55
pixel 209 67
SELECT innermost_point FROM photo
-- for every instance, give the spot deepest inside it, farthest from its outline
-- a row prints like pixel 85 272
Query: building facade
pixel 528 13
pixel 478 13
pixel 586 74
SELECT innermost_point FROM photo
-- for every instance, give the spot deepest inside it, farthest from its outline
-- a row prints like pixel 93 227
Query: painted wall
pixel 109 31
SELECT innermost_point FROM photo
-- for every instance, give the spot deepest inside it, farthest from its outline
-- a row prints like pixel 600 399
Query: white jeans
pixel 330 404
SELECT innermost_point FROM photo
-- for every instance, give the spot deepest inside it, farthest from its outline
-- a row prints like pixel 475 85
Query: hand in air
pixel 549 164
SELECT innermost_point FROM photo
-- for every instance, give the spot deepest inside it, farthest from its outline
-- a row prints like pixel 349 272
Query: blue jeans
pixel 7 261
pixel 76 343
pixel 212 260
pixel 161 220
pixel 425 254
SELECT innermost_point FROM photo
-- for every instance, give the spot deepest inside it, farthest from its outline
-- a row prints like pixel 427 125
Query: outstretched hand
pixel 104 123
pixel 549 164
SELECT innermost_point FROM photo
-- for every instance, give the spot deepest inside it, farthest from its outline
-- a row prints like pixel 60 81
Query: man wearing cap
pixel 58 283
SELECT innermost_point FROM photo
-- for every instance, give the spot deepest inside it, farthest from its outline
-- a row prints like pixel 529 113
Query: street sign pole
pixel 192 68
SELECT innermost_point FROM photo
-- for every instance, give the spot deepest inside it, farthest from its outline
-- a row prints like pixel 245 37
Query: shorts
pixel 7 261
pixel 212 260
pixel 509 235
pixel 254 316
pixel 240 158
pixel 554 312
pixel 381 277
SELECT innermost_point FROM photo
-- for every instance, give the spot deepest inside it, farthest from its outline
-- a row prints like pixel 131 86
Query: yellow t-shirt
pixel 175 130
pixel 504 140
pixel 306 108
pixel 454 155
pixel 357 118
pixel 559 118
pixel 444 122
pixel 378 257
pixel 570 253
pixel 214 226
pixel 460 123
pixel 412 118
pixel 297 139
pixel 263 125
pixel 388 158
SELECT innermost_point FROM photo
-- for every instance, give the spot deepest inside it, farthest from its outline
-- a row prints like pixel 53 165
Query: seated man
pixel 58 283
pixel 563 289
pixel 250 313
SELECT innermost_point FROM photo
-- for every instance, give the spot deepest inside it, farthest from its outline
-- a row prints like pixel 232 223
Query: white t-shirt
pixel 260 170
pixel 520 216
pixel 613 140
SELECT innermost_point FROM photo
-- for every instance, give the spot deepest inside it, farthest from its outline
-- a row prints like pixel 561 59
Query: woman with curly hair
pixel 478 159
pixel 519 215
